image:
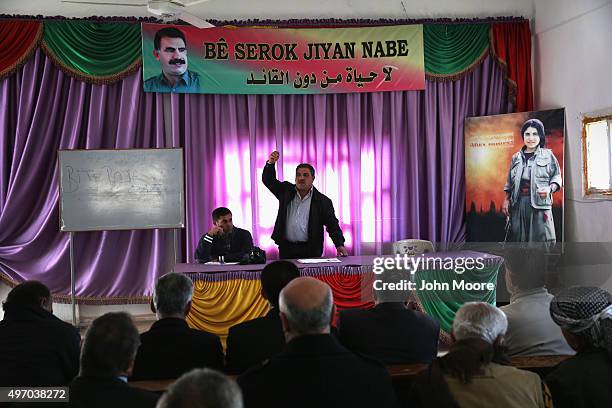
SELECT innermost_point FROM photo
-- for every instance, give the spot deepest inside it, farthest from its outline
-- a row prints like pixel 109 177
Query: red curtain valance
pixel 510 43
pixel 18 40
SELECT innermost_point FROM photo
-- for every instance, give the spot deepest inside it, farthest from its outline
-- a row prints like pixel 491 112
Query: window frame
pixel 589 192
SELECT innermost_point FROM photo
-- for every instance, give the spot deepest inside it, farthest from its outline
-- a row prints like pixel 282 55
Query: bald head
pixel 306 306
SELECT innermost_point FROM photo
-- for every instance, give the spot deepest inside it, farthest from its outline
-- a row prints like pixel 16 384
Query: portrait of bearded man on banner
pixel 170 49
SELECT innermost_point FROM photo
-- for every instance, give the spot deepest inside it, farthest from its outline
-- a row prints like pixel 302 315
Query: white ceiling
pixel 287 9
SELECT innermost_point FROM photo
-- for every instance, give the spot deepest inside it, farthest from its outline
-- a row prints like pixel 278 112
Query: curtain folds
pixel 98 53
pixel 443 304
pixel 392 162
pixel 18 40
pixel 220 304
pixel 43 111
pixel 453 50
pixel 105 52
pixel 222 300
pixel 511 46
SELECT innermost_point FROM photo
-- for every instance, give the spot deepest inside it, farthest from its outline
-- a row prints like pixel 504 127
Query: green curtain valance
pixel 453 50
pixel 93 52
pixel 105 52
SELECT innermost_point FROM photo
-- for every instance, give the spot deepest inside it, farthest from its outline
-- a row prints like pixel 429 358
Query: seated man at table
pixel 171 348
pixel 107 360
pixel 390 332
pixel 223 239
pixel 36 348
pixel 253 341
pixel 314 370
pixel 531 330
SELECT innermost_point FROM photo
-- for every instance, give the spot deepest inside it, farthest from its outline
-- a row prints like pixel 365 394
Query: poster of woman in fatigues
pixel 514 177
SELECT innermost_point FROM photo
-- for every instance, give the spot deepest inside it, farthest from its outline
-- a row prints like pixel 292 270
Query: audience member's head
pixel 29 294
pixel 525 269
pixel 110 346
pixel 202 388
pixel 274 277
pixel 306 307
pixel 172 296
pixel 584 314
pixel 480 320
pixel 395 277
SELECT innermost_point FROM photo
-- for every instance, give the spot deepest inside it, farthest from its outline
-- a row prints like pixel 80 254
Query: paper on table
pixel 318 260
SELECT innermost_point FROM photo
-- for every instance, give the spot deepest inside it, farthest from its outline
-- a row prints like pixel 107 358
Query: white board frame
pixel 180 184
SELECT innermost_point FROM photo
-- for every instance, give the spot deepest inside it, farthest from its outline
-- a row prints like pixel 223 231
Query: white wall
pixel 275 9
pixel 573 62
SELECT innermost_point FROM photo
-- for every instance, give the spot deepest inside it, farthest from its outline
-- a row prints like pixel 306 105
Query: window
pixel 597 156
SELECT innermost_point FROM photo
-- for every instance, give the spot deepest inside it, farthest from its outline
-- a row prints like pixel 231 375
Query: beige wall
pixel 572 70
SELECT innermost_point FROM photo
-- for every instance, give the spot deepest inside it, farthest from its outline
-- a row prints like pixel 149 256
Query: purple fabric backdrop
pixel 44 110
pixel 392 162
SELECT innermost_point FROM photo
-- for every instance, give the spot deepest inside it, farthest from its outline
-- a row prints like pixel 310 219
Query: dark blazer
pixel 105 392
pixel 582 381
pixel 390 333
pixel 37 348
pixel 209 247
pixel 316 371
pixel 253 341
pixel 321 213
pixel 171 348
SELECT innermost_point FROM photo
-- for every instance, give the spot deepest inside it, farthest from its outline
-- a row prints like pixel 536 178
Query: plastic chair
pixel 412 247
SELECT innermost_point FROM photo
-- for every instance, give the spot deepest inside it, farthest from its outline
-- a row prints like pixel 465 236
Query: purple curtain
pixel 44 110
pixel 392 162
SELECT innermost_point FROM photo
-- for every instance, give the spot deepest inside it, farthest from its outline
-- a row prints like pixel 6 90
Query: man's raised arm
pixel 269 175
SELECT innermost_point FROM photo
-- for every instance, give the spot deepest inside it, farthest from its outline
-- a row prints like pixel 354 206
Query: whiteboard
pixel 121 189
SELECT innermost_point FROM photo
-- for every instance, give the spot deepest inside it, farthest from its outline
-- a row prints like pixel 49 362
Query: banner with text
pixel 220 60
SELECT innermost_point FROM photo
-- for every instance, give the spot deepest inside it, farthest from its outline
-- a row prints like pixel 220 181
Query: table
pixel 225 295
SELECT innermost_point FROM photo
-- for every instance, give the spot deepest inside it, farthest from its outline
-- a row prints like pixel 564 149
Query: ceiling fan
pixel 167 10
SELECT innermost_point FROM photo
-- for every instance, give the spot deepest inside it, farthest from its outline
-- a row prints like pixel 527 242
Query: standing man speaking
pixel 302 213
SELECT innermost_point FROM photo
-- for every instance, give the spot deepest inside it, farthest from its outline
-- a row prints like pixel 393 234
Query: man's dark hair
pixel 306 166
pixel 275 276
pixel 527 267
pixel 28 293
pixel 169 32
pixel 110 345
pixel 220 212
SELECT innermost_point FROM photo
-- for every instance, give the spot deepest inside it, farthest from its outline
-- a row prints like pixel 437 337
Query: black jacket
pixel 209 247
pixel 105 392
pixel 582 381
pixel 253 341
pixel 37 348
pixel 390 333
pixel 321 213
pixel 316 371
pixel 171 348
